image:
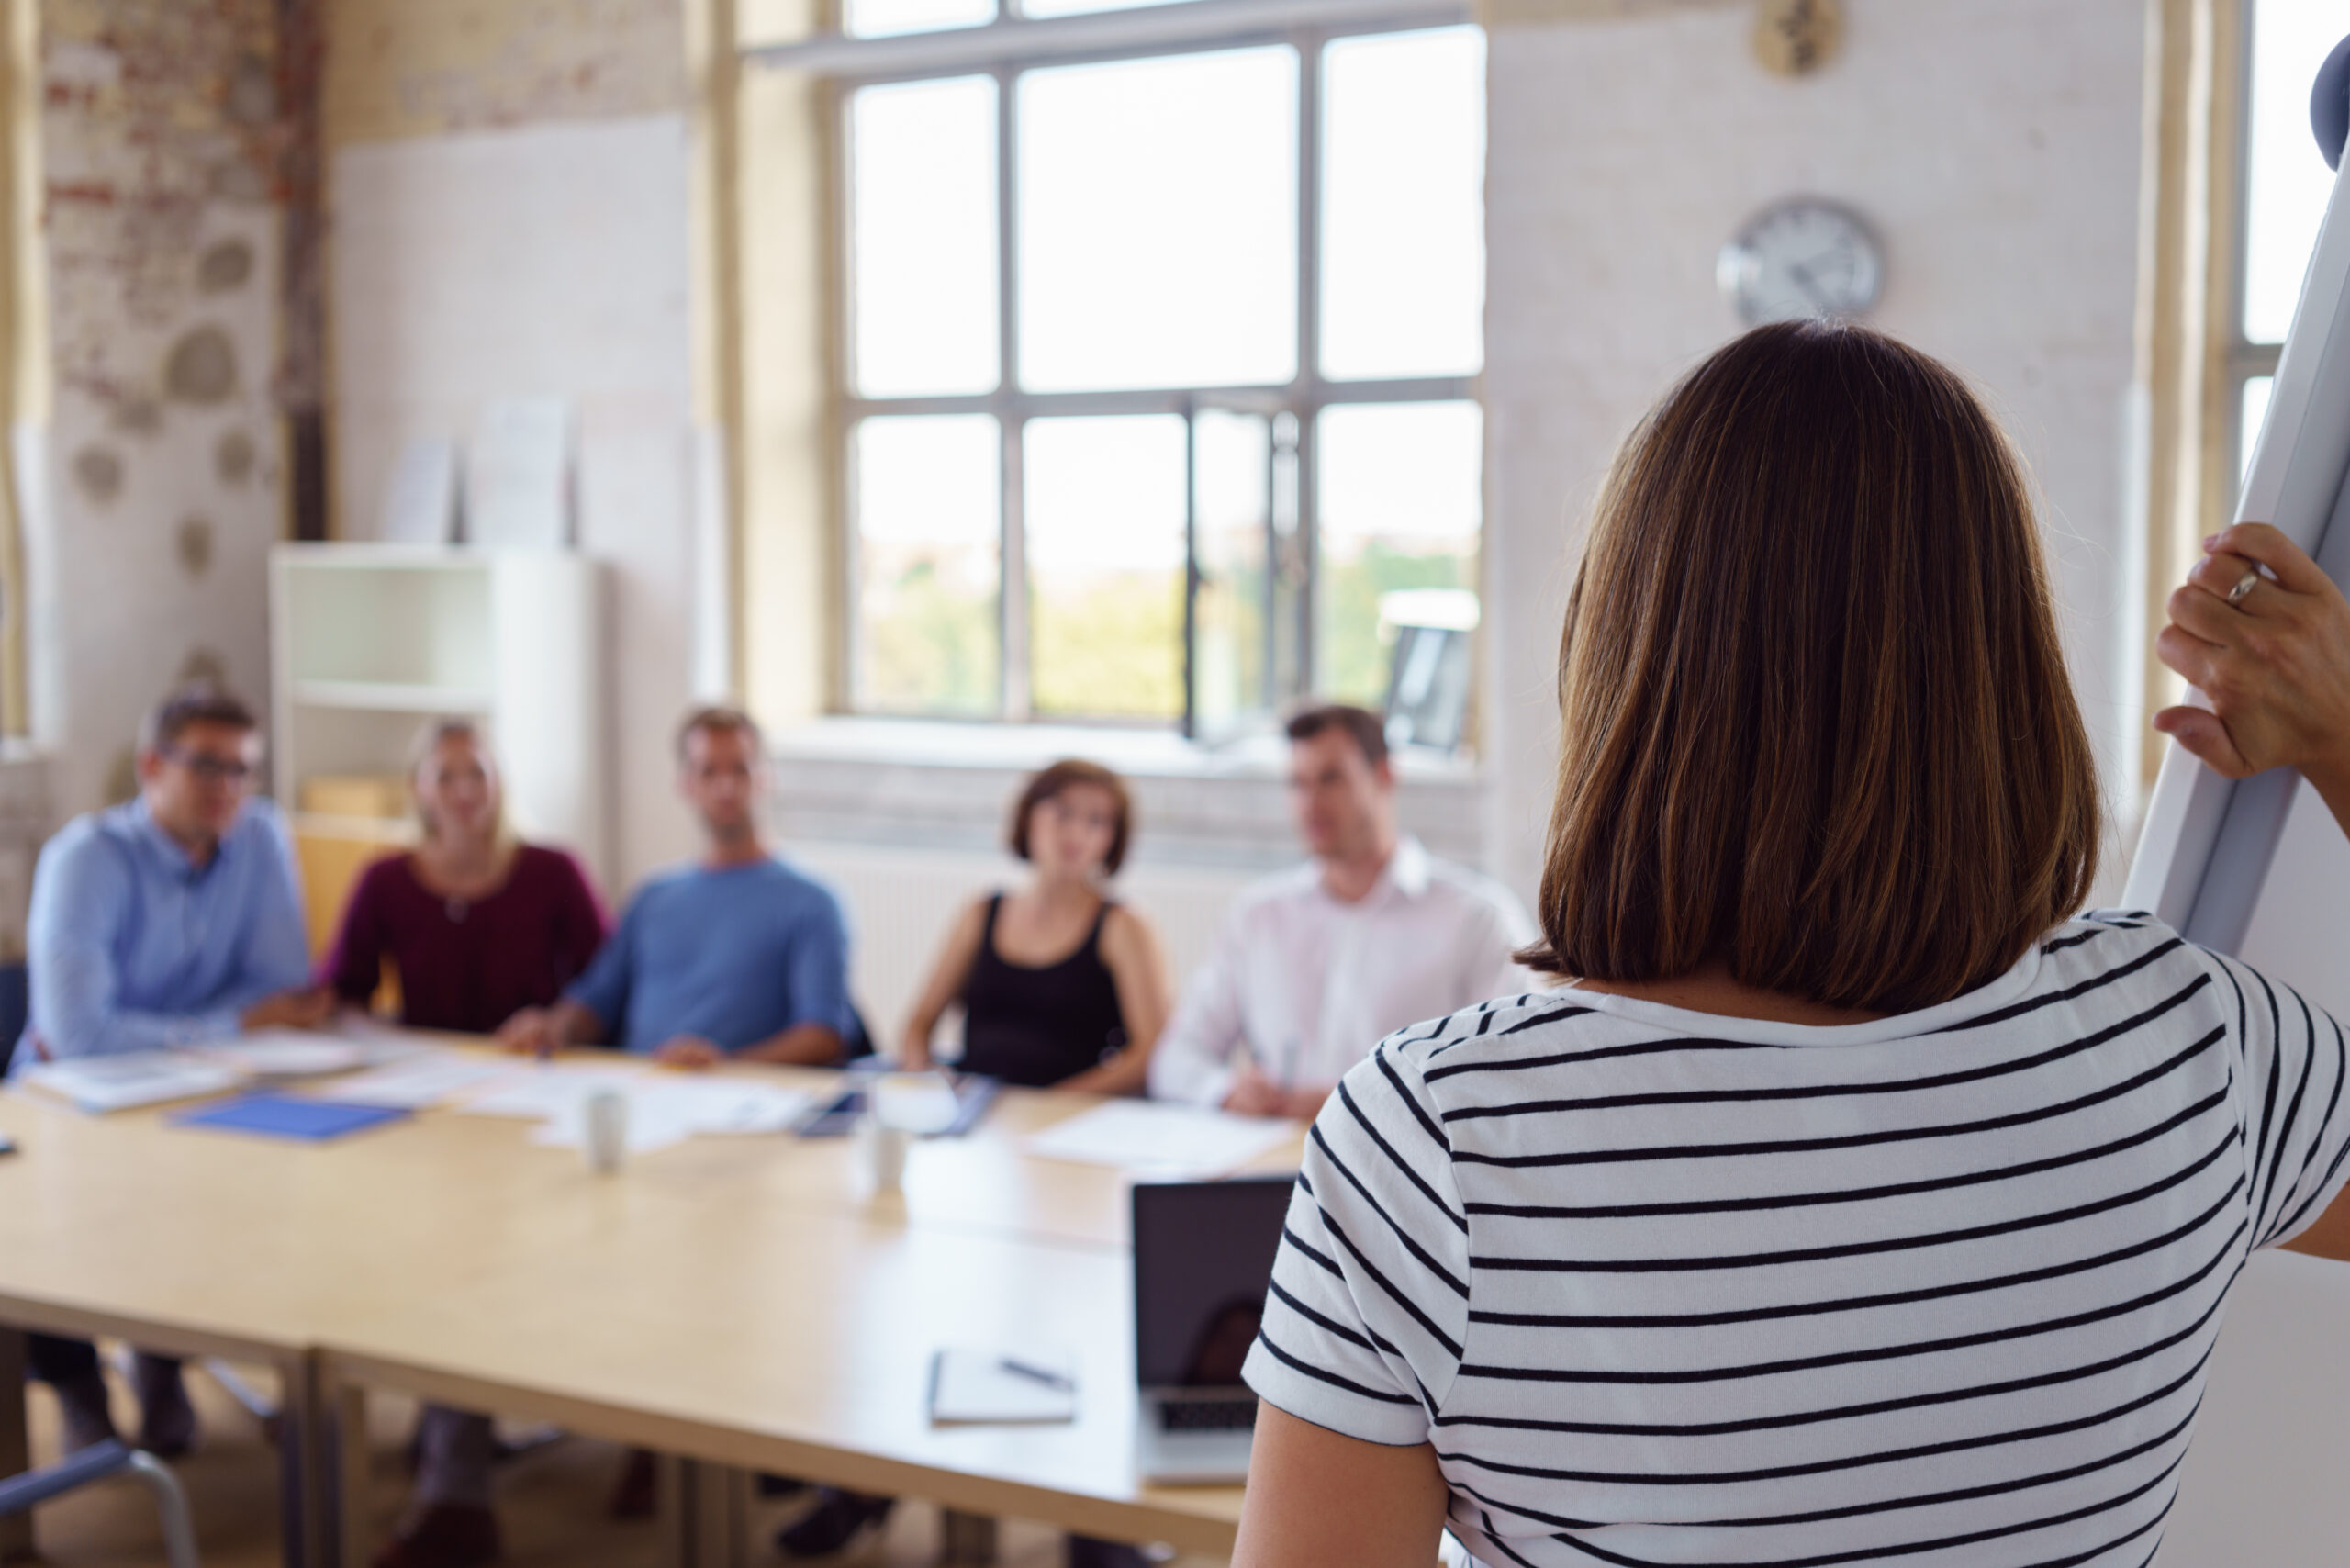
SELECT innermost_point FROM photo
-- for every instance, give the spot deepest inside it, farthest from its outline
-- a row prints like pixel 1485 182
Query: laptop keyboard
pixel 1207 1415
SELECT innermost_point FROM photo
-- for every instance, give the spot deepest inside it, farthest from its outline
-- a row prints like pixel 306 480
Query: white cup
pixel 882 1151
pixel 604 1116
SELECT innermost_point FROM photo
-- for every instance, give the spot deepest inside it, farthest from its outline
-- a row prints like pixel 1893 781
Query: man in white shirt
pixel 1317 965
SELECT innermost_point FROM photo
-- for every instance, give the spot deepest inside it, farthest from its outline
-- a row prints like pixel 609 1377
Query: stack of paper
pixel 1160 1142
pixel 99 1084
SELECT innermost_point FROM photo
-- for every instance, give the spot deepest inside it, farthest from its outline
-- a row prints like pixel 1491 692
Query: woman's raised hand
pixel 2264 636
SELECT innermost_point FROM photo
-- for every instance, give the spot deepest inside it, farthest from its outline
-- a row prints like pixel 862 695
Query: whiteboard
pixel 2209 860
pixel 2259 868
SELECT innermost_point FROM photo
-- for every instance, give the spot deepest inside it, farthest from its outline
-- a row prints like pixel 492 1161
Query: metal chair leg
pixel 170 1505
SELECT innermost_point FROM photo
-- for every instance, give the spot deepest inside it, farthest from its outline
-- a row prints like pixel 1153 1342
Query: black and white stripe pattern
pixel 1937 1291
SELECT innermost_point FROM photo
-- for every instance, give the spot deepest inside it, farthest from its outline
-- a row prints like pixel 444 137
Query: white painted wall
pixel 547 260
pixel 1994 145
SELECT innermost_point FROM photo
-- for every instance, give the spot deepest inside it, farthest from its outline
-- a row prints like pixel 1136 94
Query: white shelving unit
pixel 369 641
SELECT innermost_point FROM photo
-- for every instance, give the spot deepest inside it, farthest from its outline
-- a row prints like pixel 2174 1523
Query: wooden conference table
pixel 737 1303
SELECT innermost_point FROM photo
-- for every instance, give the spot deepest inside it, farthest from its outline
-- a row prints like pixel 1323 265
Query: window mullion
pixel 1309 341
pixel 1013 595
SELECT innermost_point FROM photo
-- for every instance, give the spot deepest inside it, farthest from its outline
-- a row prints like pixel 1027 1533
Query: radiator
pixel 901 902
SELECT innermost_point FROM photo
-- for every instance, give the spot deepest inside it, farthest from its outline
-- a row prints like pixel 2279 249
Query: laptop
pixel 1203 1257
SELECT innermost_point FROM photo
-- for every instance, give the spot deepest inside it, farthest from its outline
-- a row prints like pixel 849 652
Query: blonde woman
pixel 477 927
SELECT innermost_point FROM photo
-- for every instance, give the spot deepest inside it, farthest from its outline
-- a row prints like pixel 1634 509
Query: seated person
pixel 1061 986
pixel 477 927
pixel 1317 964
pixel 737 955
pixel 170 919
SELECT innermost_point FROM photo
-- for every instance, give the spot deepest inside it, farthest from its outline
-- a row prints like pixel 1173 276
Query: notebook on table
pixel 285 1116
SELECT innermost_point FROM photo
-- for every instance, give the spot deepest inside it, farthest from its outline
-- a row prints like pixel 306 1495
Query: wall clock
pixel 1803 257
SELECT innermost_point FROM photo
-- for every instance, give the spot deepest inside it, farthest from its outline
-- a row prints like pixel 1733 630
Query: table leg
pixel 16 1442
pixel 705 1513
pixel 306 1484
pixel 966 1539
pixel 354 1511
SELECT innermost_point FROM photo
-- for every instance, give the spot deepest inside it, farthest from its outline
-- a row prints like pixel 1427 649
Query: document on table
pixel 288 1053
pixel 666 1112
pixel 99 1084
pixel 1160 1142
pixel 549 1089
pixel 419 1079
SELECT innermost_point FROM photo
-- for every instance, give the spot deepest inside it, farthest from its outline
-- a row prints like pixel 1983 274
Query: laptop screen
pixel 1203 1255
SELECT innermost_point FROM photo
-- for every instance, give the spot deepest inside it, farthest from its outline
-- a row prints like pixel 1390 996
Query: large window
pixel 1158 385
pixel 2286 183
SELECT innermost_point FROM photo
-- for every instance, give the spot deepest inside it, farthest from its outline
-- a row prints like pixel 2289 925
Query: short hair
pixel 1367 729
pixel 1065 775
pixel 1816 720
pixel 190 706
pixel 719 719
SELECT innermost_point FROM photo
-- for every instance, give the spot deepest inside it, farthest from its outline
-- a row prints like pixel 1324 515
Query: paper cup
pixel 605 1115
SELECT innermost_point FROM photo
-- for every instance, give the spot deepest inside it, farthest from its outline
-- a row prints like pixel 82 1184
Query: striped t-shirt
pixel 1939 1289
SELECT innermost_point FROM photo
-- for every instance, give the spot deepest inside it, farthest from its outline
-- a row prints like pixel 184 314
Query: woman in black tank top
pixel 1038 1011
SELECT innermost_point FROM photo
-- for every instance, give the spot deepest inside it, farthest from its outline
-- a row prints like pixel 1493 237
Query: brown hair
pixel 718 718
pixel 190 706
pixel 1368 731
pixel 1063 774
pixel 1815 718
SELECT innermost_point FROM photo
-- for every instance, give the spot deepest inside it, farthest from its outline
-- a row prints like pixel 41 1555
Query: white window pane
pixel 2288 182
pixel 923 238
pixel 1159 222
pixel 1401 503
pixel 1072 7
pixel 1103 507
pixel 878 18
pixel 929 504
pixel 2255 410
pixel 1403 212
pixel 1232 488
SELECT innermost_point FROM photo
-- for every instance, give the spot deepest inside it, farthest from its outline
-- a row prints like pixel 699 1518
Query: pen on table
pixel 1044 1375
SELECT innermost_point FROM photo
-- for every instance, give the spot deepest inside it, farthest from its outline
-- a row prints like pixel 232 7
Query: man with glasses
pixel 172 918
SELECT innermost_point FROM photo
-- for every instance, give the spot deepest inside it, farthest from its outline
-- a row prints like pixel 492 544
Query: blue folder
pixel 283 1115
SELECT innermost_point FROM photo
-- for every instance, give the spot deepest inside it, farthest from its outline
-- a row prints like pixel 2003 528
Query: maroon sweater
pixel 468 966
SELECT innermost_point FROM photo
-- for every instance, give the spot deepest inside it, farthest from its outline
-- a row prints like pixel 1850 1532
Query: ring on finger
pixel 2244 586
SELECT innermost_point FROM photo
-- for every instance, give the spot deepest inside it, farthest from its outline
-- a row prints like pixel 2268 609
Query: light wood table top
pixel 735 1299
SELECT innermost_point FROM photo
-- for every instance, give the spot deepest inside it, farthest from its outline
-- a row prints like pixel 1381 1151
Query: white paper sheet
pixel 549 1089
pixel 918 1102
pixel 666 1112
pixel 1159 1142
pixel 287 1053
pixel 419 1079
pixel 99 1084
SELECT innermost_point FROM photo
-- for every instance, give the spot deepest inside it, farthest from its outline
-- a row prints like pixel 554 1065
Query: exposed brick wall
pixel 162 147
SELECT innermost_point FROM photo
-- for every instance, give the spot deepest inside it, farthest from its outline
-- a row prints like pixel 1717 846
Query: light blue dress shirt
pixel 132 947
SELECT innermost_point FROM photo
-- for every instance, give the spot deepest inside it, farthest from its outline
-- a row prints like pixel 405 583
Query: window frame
pixel 1004 49
pixel 2240 359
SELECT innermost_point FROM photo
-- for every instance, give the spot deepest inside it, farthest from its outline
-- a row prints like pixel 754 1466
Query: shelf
pixel 390 696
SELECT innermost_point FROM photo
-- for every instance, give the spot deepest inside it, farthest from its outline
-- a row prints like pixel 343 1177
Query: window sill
pixel 929 784
pixel 1136 753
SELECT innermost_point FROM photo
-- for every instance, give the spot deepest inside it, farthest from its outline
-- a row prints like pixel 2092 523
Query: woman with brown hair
pixel 1856 1202
pixel 1061 986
